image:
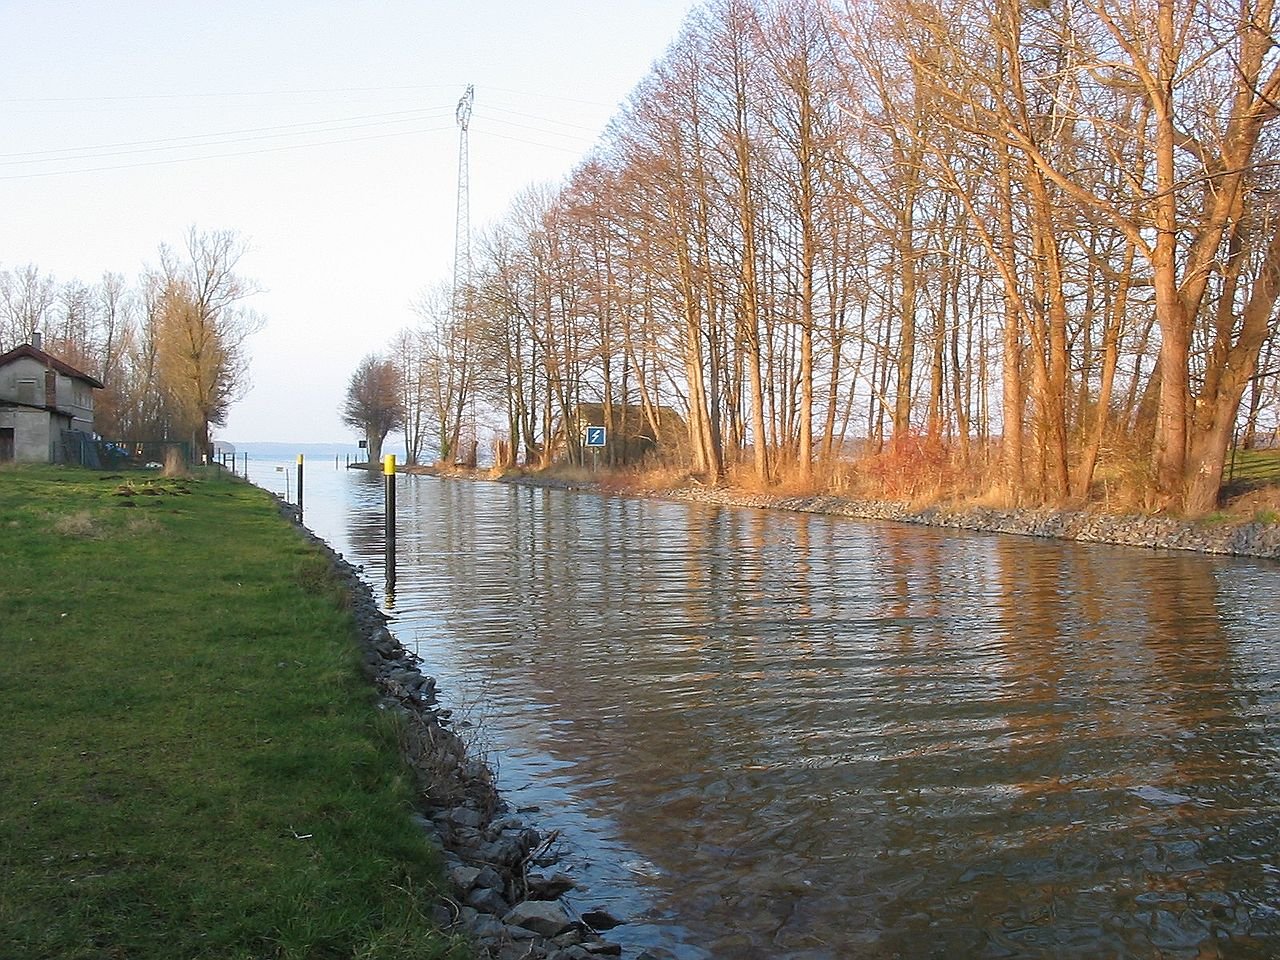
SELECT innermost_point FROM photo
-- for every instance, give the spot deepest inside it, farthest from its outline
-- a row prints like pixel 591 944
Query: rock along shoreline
pixel 506 892
pixel 1251 539
pixel 1239 539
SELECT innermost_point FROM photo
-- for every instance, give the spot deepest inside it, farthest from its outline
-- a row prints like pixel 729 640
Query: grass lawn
pixel 191 764
pixel 1254 468
pixel 1252 486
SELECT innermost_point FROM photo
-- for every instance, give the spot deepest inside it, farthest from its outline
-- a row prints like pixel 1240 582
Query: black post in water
pixel 299 486
pixel 389 482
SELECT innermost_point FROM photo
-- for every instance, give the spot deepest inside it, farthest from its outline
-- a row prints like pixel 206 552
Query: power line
pixel 542 130
pixel 207 142
pixel 529 116
pixel 220 156
pixel 66 155
pixel 227 93
pixel 532 143
pixel 551 96
pixel 421 113
pixel 298 92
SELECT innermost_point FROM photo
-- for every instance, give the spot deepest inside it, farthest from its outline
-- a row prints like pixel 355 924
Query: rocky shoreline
pixel 506 892
pixel 1251 539
pixel 1230 538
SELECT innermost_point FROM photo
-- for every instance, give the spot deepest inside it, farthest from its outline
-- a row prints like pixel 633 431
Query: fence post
pixel 299 486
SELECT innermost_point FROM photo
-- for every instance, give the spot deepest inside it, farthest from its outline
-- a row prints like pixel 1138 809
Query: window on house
pixel 26 391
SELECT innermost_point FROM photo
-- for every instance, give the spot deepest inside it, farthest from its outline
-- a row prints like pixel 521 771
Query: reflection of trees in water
pixel 1114 662
pixel 364 514
pixel 366 527
pixel 814 725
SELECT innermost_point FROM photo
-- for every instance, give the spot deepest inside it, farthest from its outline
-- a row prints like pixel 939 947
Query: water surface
pixel 783 735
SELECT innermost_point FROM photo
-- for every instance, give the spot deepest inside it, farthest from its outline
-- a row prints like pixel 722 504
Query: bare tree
pixel 407 352
pixel 373 403
pixel 447 367
pixel 114 309
pixel 26 300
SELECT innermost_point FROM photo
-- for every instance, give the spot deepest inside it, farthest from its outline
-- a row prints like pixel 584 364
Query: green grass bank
pixel 191 763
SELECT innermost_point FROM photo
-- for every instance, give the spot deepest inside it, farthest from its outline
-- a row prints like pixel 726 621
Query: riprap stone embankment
pixel 1247 539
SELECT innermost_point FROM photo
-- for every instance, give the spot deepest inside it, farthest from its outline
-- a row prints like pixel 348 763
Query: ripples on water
pixel 779 735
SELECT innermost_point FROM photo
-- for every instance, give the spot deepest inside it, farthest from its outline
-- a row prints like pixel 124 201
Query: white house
pixel 41 397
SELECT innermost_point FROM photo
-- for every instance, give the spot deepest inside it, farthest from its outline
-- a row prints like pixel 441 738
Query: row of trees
pixel 1040 236
pixel 423 384
pixel 170 347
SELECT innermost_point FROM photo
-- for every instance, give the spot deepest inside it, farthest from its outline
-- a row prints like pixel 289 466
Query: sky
pixel 322 131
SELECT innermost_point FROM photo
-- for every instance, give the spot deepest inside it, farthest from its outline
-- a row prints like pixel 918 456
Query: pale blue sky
pixel 96 98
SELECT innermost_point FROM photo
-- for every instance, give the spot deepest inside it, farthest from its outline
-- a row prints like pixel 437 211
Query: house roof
pixel 27 350
pixel 594 412
pixel 671 426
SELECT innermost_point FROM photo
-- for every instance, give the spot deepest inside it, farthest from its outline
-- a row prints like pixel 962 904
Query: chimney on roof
pixel 37 341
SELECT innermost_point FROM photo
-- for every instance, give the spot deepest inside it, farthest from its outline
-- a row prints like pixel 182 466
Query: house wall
pixel 32 442
pixel 72 397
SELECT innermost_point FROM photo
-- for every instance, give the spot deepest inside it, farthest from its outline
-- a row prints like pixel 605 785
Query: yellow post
pixel 389 518
pixel 299 486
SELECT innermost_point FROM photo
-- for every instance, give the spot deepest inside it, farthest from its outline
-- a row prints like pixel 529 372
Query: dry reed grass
pixel 87 525
pixel 924 472
pixel 81 524
pixel 643 478
pixel 139 525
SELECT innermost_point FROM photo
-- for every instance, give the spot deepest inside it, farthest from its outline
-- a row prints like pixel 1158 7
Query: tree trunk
pixel 1216 416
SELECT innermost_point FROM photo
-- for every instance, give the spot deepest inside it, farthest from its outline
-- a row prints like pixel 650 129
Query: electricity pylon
pixel 462 226
pixel 462 270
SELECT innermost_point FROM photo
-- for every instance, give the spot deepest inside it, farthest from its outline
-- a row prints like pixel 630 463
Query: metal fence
pixel 86 451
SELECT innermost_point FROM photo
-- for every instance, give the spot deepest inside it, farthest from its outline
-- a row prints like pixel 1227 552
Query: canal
pixel 763 734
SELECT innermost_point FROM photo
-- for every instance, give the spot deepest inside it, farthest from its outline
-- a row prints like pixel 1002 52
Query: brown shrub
pixel 913 468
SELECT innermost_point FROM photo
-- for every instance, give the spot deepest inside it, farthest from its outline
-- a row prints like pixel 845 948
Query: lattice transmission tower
pixel 462 267
pixel 462 226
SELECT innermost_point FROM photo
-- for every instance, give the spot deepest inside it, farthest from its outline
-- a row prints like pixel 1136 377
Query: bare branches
pixel 374 404
pixel 902 208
